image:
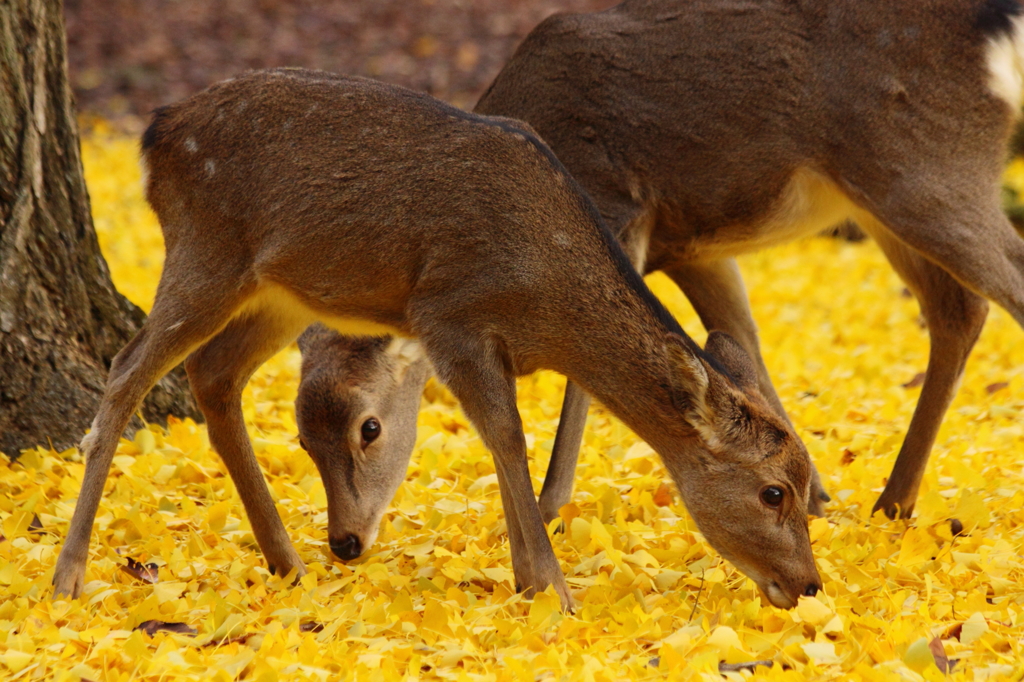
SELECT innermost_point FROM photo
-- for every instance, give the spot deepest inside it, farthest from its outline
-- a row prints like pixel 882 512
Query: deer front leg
pixel 475 373
pixel 565 453
pixel 218 373
pixel 715 289
pixel 955 319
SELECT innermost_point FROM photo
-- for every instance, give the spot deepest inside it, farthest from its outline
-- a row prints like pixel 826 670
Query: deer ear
pixel 689 380
pixel 730 353
pixel 316 334
pixel 403 353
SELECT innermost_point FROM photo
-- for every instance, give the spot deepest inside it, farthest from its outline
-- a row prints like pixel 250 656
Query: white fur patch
pixel 637 239
pixel 89 440
pixel 405 352
pixel 810 203
pixel 1005 56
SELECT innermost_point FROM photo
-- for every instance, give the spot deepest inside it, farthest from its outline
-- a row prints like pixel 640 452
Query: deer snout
pixel 346 548
pixel 786 596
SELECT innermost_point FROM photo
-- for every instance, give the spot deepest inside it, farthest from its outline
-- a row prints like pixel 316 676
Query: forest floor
pixel 434 597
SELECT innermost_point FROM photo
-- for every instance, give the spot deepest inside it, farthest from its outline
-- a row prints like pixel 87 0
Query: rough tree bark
pixel 61 319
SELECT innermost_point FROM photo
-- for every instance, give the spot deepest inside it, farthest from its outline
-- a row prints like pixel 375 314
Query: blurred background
pixel 129 56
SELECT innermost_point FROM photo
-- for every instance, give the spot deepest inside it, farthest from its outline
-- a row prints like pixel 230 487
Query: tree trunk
pixel 61 319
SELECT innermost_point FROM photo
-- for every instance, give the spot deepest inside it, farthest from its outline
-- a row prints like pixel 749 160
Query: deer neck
pixel 625 366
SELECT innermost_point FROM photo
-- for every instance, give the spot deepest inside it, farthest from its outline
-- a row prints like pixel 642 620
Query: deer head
pixel 745 476
pixel 356 411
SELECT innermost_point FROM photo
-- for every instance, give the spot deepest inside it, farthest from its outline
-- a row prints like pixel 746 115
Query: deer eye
pixel 370 431
pixel 772 496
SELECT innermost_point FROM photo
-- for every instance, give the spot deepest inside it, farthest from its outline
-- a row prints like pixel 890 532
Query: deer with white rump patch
pixel 291 196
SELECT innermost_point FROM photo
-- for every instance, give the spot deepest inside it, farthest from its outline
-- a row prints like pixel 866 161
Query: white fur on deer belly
pixel 292 312
pixel 809 204
pixel 1005 56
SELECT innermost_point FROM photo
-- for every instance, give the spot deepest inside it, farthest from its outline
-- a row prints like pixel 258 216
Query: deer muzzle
pixel 347 547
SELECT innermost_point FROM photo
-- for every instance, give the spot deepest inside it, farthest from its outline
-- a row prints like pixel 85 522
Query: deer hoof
pixel 893 509
pixel 68 580
pixel 532 588
pixel 283 568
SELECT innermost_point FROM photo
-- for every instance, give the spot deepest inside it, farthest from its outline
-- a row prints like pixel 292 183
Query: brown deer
pixel 705 129
pixel 290 196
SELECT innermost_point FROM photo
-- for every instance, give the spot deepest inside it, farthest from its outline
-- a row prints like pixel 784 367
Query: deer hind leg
pixel 716 291
pixel 180 322
pixel 218 372
pixel 561 474
pixel 955 317
pixel 475 371
pixel 962 229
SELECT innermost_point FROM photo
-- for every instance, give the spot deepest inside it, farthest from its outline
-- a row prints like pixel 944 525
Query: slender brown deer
pixel 707 129
pixel 291 196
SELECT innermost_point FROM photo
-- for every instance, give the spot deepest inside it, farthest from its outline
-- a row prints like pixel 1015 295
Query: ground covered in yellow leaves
pixel 434 597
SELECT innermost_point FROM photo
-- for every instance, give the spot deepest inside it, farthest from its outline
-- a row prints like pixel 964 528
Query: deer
pixel 703 130
pixel 698 145
pixel 288 197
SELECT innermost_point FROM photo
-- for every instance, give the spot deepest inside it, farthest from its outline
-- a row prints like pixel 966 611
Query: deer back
pixel 735 126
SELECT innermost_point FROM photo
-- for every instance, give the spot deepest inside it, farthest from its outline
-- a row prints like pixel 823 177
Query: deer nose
pixel 347 548
pixel 811 590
